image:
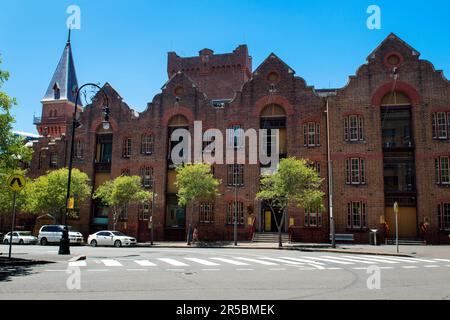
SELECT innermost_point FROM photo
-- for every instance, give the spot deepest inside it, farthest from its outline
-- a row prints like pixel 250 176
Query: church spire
pixel 64 80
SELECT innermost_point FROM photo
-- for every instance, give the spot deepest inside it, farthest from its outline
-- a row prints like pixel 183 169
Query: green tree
pixel 13 151
pixel 47 194
pixel 121 192
pixel 293 183
pixel 195 182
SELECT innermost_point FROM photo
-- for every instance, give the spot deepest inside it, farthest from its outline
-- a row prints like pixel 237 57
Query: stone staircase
pixel 269 237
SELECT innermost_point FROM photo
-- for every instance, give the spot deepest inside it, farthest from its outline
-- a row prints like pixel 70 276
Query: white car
pixel 53 234
pixel 110 238
pixel 20 237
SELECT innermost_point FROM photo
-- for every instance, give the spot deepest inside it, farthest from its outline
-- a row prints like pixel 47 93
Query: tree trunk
pixel 280 242
pixel 189 233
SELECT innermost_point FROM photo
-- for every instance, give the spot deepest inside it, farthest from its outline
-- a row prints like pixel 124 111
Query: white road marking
pixel 137 269
pixel 404 259
pixel 145 263
pixel 359 268
pixel 178 270
pixel 304 260
pixel 55 270
pixel 317 265
pixel 267 263
pixel 431 266
pixel 330 260
pixel 237 263
pixel 81 263
pixel 376 259
pixel 444 260
pixel 173 262
pixel 202 261
pixel 410 267
pixel 386 267
pixel 277 269
pixel 334 268
pixel 210 269
pixel 111 263
pixel 351 260
pixel 244 269
pixel 282 261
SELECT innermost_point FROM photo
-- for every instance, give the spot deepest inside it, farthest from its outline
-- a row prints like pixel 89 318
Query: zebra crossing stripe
pixel 444 260
pixel 372 259
pixel 282 261
pixel 317 265
pixel 81 263
pixel 351 260
pixel 173 262
pixel 405 259
pixel 330 260
pixel 237 263
pixel 202 261
pixel 409 267
pixel 145 263
pixel 266 263
pixel 111 263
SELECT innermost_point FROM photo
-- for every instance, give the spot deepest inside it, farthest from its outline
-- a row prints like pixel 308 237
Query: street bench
pixel 343 237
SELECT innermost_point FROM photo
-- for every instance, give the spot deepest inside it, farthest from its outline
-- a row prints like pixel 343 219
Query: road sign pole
pixel 396 229
pixel 13 224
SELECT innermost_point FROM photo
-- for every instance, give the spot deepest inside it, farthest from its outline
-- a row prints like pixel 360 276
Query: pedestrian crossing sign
pixel 16 182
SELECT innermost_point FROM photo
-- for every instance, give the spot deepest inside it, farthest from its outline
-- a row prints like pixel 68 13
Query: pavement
pixel 221 273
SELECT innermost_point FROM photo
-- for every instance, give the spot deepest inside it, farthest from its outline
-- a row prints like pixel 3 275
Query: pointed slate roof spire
pixel 64 80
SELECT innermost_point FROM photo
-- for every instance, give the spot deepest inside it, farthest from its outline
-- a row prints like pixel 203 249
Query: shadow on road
pixel 9 269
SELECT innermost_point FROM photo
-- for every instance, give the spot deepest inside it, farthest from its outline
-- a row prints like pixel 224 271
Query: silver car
pixel 20 237
pixel 53 234
pixel 110 238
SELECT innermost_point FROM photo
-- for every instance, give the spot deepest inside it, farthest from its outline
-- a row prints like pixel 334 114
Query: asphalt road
pixel 198 273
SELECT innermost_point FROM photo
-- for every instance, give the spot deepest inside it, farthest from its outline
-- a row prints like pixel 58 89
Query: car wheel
pixel 21 241
pixel 6 242
pixel 44 241
pixel 117 244
pixel 93 243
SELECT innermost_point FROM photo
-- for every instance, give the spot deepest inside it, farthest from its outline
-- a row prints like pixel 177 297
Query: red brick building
pixel 389 141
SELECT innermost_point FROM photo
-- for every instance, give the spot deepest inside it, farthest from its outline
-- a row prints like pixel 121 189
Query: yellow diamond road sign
pixel 16 182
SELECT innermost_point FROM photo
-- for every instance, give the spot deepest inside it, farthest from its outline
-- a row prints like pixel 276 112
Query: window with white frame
pixel 313 217
pixel 311 134
pixel 53 160
pixel 233 207
pixel 206 213
pixel 441 125
pixel 235 174
pixel 79 149
pixel 146 174
pixel 353 128
pixel 442 170
pixel 444 216
pixel 315 165
pixel 147 144
pixel 126 148
pixel 355 171
pixel 356 215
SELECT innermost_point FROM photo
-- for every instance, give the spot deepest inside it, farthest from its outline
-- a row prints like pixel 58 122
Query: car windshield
pixel 24 233
pixel 117 233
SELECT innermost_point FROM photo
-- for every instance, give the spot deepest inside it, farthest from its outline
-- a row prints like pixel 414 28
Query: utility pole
pixel 330 181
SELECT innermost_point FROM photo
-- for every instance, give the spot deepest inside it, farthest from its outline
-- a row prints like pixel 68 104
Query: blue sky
pixel 125 43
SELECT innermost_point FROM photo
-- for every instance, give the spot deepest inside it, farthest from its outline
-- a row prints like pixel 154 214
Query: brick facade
pixel 194 85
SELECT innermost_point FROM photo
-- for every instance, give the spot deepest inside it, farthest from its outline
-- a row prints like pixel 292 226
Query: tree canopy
pixel 12 147
pixel 294 182
pixel 47 194
pixel 120 192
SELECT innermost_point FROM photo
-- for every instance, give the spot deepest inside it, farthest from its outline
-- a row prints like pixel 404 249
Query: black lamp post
pixel 64 244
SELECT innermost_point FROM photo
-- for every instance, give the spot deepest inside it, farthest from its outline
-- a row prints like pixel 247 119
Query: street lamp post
pixel 330 181
pixel 64 244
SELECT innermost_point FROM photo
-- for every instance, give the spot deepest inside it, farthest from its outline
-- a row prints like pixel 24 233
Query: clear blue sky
pixel 125 43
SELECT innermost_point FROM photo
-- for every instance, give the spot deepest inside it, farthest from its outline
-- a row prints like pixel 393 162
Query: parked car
pixel 1 237
pixel 53 234
pixel 110 238
pixel 20 237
